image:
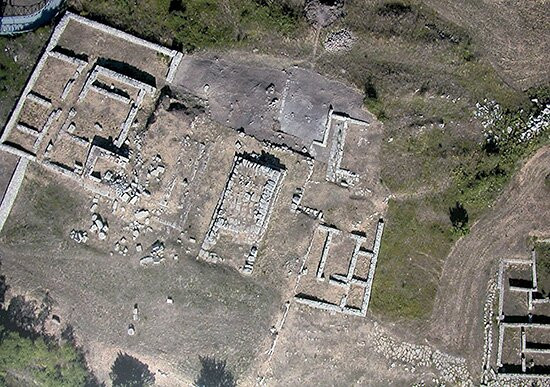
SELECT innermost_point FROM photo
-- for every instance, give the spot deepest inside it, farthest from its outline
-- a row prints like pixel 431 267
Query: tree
pixel 459 218
pixel 34 361
pixel 127 371
pixel 214 374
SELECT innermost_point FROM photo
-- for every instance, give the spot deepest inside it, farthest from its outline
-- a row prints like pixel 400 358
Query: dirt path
pixel 522 210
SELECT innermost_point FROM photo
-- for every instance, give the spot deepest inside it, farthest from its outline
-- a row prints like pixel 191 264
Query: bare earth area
pixel 515 33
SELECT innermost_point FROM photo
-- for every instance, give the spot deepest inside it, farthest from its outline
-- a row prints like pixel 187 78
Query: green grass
pixel 419 234
pixel 198 24
pixel 18 56
pixel 413 249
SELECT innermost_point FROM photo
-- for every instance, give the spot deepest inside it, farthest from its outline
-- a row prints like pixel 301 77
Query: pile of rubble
pixel 79 236
pixel 500 127
pixel 156 168
pixel 99 226
pixel 156 256
pixel 128 191
pixel 338 41
pixel 121 247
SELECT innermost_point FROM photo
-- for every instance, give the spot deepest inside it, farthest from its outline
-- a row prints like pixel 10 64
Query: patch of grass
pixel 411 257
pixel 18 56
pixel 46 205
pixel 420 231
pixel 197 24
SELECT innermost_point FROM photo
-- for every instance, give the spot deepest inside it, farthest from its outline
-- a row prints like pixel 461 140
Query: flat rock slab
pixel 307 101
pixel 287 106
pixel 239 96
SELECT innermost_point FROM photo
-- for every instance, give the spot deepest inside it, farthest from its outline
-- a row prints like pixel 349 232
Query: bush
pixel 214 374
pixel 127 371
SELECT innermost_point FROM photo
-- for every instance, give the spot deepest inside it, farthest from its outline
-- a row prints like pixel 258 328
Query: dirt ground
pixel 523 210
pixel 8 163
pixel 515 33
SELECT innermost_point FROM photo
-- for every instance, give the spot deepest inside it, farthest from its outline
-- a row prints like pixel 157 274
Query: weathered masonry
pixel 81 101
pixel 245 206
pixel 353 278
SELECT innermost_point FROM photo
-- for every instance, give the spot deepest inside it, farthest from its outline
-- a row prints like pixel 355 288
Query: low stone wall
pixel 13 189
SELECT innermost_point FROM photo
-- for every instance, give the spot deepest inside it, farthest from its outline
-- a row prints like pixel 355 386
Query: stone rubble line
pixel 349 279
pixel 487 373
pixel 452 369
pixel 502 324
pixel 335 173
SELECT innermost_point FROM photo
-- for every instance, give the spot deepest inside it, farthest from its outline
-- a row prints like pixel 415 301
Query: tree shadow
pixel 459 216
pixel 128 371
pixel 214 374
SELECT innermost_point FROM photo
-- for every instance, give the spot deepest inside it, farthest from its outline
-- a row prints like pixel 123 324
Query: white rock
pixel 141 214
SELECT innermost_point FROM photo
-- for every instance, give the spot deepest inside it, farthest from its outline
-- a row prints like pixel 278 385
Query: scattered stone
pixel 169 300
pixel 56 319
pixel 79 236
pixel 157 249
pixel 338 41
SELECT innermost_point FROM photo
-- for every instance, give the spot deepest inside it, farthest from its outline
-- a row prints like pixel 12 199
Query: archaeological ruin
pixel 523 323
